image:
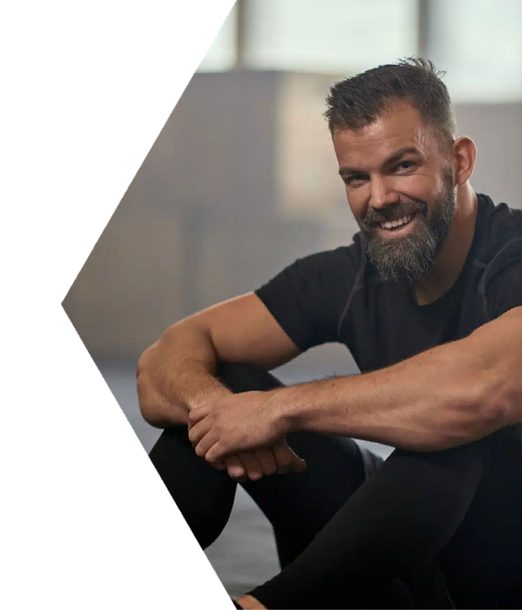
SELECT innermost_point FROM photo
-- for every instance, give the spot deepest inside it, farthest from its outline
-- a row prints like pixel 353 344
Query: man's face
pixel 401 191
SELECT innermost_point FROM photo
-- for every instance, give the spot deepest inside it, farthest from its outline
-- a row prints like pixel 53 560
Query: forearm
pixel 177 375
pixel 433 401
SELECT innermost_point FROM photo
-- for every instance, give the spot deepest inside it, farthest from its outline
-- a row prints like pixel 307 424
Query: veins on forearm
pixel 422 403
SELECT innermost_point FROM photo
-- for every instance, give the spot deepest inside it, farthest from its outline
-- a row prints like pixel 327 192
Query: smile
pixel 397 228
pixel 396 223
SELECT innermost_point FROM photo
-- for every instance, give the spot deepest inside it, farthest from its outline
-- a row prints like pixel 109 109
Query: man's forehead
pixel 400 127
pixel 399 121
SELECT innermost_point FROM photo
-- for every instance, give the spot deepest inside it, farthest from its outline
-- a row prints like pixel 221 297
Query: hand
pixel 247 602
pixel 278 459
pixel 234 423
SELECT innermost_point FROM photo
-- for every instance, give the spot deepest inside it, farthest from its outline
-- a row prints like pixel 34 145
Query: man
pixel 428 299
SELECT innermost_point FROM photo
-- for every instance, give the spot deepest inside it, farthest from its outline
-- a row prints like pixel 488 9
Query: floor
pixel 244 555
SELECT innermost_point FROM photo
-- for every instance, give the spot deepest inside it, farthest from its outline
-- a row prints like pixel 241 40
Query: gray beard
pixel 407 259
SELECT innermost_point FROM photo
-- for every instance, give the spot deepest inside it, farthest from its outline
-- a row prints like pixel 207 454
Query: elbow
pixel 503 407
pixel 148 403
pixel 493 415
pixel 474 411
pixel 148 409
pixel 158 415
pixel 152 418
pixel 155 409
pixel 491 406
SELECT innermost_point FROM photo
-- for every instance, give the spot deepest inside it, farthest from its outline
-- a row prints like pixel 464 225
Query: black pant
pixel 344 541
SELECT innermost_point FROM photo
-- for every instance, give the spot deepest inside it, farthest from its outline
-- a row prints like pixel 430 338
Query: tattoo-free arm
pixel 441 398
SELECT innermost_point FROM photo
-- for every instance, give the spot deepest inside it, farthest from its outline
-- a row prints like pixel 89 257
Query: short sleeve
pixel 503 280
pixel 505 291
pixel 307 298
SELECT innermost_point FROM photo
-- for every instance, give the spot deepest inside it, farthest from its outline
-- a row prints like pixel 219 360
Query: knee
pixel 203 496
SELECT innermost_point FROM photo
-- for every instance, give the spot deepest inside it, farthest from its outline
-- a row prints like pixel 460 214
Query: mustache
pixel 393 212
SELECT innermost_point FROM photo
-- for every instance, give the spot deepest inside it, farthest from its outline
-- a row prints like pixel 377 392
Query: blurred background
pixel 242 181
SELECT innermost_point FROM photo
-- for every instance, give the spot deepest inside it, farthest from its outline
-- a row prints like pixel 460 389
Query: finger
pixel 197 414
pixel 215 450
pixel 252 466
pixel 217 465
pixel 283 457
pixel 208 441
pixel 287 460
pixel 199 430
pixel 297 464
pixel 235 468
pixel 267 461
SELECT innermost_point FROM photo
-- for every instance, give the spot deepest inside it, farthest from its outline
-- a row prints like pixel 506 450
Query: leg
pixel 203 495
pixel 482 563
pixel 297 505
pixel 300 505
pixel 393 526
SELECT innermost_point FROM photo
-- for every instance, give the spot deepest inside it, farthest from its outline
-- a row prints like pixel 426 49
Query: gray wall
pixel 209 214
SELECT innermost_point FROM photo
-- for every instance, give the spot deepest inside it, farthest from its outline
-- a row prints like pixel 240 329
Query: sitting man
pixel 428 299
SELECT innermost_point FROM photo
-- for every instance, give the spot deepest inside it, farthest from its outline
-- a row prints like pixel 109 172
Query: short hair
pixel 358 101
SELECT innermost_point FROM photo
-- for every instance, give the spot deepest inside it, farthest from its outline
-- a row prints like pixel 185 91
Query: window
pixel 479 45
pixel 328 36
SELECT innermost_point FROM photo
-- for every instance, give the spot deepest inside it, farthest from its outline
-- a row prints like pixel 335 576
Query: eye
pixel 351 180
pixel 405 165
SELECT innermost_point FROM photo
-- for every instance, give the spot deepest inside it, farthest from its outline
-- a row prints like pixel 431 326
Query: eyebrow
pixel 396 156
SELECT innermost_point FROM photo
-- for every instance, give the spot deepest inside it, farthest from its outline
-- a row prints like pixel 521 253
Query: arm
pixel 177 372
pixel 445 397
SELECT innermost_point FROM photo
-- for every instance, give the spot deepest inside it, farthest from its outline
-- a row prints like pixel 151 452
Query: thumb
pixel 298 464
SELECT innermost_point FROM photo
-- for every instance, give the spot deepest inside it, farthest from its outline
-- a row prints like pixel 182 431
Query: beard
pixel 407 259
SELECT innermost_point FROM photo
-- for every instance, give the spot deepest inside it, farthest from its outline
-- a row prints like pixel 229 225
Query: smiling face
pixel 401 190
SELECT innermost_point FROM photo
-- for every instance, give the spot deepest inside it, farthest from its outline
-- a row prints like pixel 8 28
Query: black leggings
pixel 423 524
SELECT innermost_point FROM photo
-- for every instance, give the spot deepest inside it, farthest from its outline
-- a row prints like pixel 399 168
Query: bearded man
pixel 428 299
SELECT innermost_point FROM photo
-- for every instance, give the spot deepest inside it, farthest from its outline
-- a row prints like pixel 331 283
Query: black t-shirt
pixel 338 296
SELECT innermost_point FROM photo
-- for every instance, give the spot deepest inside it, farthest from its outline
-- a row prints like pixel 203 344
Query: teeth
pixel 396 223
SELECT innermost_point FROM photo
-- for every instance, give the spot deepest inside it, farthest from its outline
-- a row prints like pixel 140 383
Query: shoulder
pixel 499 229
pixel 307 297
pixel 501 254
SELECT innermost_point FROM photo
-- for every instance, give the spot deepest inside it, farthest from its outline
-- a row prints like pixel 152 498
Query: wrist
pixel 286 404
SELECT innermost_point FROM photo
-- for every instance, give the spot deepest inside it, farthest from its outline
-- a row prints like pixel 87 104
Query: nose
pixel 381 195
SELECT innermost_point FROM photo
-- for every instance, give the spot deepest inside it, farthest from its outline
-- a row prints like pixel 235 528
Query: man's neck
pixel 446 269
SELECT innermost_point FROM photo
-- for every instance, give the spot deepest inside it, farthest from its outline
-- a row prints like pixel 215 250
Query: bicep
pixel 243 330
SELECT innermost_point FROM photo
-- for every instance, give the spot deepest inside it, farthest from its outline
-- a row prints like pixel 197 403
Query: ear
pixel 464 155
